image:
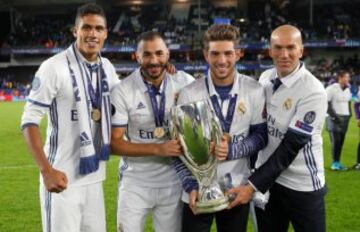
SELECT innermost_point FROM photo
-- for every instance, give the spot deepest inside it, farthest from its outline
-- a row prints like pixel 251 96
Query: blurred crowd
pixel 335 21
pixel 330 22
pixel 11 89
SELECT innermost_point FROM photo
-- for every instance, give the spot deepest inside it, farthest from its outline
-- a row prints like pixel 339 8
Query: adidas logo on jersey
pixel 84 139
pixel 140 106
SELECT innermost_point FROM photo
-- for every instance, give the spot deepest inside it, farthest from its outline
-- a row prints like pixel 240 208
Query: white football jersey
pixel 339 98
pixel 299 104
pixel 133 109
pixel 52 94
pixel 248 111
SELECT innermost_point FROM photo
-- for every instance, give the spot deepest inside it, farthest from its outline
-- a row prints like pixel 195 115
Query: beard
pixel 145 70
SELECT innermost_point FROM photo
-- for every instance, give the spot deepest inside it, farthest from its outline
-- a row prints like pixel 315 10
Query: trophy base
pixel 212 206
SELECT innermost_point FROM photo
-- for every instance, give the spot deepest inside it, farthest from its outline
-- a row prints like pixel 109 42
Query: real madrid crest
pixel 241 107
pixel 176 96
pixel 287 104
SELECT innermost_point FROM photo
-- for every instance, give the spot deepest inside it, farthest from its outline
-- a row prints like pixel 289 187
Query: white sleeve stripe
pixel 38 103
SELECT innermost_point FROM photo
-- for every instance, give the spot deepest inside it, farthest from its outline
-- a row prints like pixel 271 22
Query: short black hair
pixel 87 9
pixel 148 36
pixel 341 73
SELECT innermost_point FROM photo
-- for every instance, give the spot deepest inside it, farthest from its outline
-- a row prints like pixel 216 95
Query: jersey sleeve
pixel 44 89
pixel 259 111
pixel 45 85
pixel 310 114
pixel 113 76
pixel 120 116
pixel 329 93
pixel 187 78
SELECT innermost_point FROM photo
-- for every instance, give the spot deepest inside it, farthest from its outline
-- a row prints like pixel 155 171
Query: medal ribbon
pixel 159 112
pixel 94 95
pixel 227 120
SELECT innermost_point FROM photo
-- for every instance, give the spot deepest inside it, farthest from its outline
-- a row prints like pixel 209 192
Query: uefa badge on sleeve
pixel 310 117
pixel 35 85
pixel 287 104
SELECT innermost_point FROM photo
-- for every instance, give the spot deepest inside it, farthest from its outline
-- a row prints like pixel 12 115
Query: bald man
pixel 291 165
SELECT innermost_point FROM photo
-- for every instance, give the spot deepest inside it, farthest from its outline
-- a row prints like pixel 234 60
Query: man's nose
pixel 284 53
pixel 222 58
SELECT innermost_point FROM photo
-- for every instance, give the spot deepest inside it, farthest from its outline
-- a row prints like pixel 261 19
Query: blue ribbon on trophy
pixel 159 112
pixel 227 120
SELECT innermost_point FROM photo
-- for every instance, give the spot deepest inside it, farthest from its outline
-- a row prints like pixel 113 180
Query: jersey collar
pixel 141 83
pixel 82 58
pixel 339 86
pixel 290 79
pixel 233 90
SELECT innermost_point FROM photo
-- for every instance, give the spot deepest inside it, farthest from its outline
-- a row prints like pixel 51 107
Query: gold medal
pixel 96 115
pixel 228 137
pixel 159 132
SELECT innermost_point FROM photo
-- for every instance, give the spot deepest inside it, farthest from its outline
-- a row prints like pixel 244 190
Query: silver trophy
pixel 196 125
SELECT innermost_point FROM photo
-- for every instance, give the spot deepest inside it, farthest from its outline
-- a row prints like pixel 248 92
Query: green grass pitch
pixel 19 179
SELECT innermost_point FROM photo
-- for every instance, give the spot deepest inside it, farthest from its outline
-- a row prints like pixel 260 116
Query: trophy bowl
pixel 196 125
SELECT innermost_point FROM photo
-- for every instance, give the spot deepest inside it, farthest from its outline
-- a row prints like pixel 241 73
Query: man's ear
pixel 239 53
pixel 74 31
pixel 206 54
pixel 138 58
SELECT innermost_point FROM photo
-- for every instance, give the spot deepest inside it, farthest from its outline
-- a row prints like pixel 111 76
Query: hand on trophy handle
pixel 170 148
pixel 193 197
pixel 222 148
pixel 243 194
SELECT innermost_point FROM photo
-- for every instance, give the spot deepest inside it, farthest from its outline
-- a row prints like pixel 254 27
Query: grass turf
pixel 19 179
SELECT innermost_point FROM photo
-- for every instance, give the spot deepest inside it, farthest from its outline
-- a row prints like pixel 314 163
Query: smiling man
pixel 73 88
pixel 238 101
pixel 291 166
pixel 142 101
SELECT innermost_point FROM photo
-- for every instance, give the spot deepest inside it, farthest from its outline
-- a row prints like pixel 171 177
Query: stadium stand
pixel 34 36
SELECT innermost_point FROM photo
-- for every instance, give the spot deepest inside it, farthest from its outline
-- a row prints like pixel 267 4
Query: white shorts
pixel 135 202
pixel 79 208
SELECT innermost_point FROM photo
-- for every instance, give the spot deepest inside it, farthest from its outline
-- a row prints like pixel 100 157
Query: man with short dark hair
pixel 339 113
pixel 73 87
pixel 238 101
pixel 142 112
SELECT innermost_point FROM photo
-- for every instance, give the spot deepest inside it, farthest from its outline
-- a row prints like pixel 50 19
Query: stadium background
pixel 32 31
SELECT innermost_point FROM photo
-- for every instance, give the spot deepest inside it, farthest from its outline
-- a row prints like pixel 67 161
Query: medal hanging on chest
pixel 225 121
pixel 158 109
pixel 96 115
pixel 94 95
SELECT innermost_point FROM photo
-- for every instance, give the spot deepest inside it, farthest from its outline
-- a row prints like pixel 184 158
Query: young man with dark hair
pixel 73 87
pixel 238 101
pixel 147 183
